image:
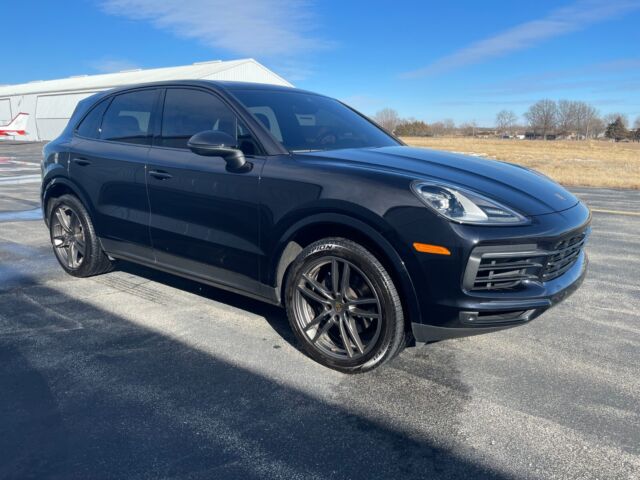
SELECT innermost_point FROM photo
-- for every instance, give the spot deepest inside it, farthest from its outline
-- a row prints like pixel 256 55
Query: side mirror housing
pixel 211 143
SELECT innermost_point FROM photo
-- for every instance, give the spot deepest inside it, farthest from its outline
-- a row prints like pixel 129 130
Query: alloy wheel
pixel 68 237
pixel 337 308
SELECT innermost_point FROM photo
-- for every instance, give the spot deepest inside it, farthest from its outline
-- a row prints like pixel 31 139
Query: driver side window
pixel 187 112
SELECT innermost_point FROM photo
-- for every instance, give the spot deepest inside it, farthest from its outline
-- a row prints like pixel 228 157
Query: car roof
pixel 218 85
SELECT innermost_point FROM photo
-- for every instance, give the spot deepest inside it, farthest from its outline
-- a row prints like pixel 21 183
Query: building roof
pixel 214 70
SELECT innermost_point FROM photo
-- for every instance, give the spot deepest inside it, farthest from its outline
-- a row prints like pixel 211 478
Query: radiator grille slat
pixel 564 256
pixel 508 271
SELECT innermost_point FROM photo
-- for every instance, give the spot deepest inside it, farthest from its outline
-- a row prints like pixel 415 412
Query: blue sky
pixel 431 60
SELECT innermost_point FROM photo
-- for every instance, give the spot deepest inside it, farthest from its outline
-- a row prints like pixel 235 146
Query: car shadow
pixel 88 394
pixel 275 316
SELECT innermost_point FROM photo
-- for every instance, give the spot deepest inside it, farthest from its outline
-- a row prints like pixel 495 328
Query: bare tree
pixel 468 129
pixel 449 126
pixel 568 113
pixel 542 117
pixel 437 129
pixel 587 120
pixel 474 126
pixel 388 119
pixel 506 121
pixel 597 127
pixel 636 124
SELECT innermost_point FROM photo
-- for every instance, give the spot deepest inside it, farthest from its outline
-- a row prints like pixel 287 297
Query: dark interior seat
pixel 124 126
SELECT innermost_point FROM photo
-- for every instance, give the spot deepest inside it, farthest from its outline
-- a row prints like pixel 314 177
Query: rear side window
pixel 187 112
pixel 128 118
pixel 90 125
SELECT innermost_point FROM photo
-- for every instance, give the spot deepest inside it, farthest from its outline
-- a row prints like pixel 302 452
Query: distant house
pixel 538 136
pixel 485 134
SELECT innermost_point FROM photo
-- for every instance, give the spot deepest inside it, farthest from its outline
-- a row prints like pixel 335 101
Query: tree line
pixel 545 119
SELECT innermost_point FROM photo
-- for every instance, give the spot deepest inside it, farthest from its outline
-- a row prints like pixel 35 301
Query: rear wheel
pixel 344 307
pixel 74 240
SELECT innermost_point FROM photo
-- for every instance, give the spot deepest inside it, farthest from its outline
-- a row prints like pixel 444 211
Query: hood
pixel 517 187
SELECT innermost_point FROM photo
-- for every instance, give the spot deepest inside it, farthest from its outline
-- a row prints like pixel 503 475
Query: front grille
pixel 509 267
pixel 563 257
pixel 500 273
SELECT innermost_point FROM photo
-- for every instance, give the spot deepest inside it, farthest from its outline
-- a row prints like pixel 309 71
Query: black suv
pixel 296 199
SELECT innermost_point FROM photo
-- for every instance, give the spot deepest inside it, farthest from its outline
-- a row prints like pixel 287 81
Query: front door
pixel 204 219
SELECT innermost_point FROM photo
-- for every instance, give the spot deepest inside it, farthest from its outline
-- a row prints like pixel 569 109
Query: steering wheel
pixel 326 136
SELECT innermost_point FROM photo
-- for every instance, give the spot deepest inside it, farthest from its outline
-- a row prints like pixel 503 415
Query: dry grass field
pixel 578 163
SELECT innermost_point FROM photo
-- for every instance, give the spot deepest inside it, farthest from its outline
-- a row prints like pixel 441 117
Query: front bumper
pixel 485 316
pixel 452 309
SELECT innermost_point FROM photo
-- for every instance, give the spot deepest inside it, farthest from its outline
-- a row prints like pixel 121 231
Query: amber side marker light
pixel 426 248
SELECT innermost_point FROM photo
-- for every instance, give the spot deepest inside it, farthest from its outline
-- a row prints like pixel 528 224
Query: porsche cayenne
pixel 296 199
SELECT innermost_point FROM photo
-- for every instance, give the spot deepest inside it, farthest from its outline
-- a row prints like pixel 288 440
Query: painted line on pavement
pixel 20 179
pixel 34 214
pixel 616 212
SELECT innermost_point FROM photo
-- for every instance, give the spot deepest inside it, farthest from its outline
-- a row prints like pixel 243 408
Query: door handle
pixel 83 162
pixel 160 175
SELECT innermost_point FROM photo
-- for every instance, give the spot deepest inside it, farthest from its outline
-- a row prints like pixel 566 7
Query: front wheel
pixel 343 306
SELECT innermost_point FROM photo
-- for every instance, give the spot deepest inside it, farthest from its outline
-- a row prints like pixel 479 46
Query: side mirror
pixel 211 143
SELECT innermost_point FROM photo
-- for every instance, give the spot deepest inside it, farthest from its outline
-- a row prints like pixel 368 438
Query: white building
pixel 50 103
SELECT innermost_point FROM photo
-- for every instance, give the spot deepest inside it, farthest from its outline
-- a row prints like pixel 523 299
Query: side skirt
pixel 262 292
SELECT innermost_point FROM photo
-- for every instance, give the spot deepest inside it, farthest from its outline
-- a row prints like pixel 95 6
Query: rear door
pixel 204 219
pixel 108 161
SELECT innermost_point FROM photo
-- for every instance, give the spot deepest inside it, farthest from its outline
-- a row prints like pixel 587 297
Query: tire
pixel 74 239
pixel 324 309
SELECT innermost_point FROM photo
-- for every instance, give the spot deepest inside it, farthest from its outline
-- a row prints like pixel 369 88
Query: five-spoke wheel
pixel 338 308
pixel 74 239
pixel 343 306
pixel 68 236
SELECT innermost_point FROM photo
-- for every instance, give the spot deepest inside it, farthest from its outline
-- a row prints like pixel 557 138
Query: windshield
pixel 305 122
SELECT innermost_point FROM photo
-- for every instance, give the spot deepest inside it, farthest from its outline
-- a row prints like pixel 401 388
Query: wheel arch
pixel 57 187
pixel 316 227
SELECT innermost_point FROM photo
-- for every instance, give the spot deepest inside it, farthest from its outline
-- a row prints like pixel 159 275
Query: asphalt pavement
pixel 140 374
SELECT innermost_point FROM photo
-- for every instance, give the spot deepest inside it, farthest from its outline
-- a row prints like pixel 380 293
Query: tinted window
pixel 304 121
pixel 128 118
pixel 187 112
pixel 90 126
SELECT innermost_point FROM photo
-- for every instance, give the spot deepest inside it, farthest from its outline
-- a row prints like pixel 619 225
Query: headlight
pixel 464 206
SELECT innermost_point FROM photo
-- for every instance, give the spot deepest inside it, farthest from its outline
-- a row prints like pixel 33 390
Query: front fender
pixel 377 233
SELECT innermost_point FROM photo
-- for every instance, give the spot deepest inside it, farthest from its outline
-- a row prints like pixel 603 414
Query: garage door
pixel 53 112
pixel 5 111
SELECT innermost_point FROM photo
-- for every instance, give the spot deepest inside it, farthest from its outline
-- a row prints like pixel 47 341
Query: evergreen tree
pixel 616 130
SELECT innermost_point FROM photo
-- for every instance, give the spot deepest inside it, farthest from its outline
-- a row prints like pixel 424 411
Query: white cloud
pixel 111 65
pixel 249 27
pixel 561 21
pixel 602 76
